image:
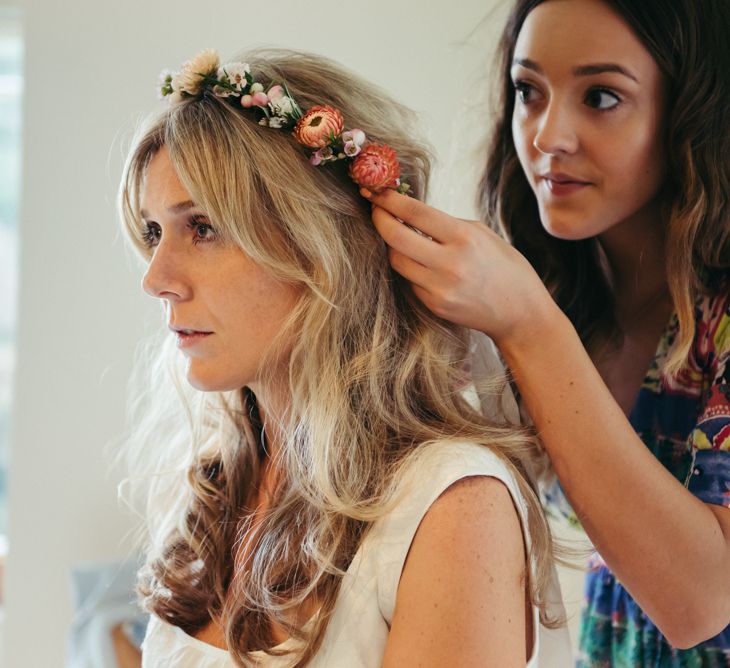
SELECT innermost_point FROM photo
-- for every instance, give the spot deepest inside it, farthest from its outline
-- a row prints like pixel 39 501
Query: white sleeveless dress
pixel 358 630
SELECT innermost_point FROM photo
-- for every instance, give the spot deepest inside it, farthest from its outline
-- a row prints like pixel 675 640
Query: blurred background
pixel 75 78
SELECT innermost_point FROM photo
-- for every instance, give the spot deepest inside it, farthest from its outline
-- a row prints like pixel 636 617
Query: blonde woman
pixel 321 492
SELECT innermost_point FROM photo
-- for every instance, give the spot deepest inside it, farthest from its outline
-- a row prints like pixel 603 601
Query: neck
pixel 271 406
pixel 635 259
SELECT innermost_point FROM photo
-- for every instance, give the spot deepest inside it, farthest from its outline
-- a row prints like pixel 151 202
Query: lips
pixel 179 329
pixel 188 337
pixel 561 184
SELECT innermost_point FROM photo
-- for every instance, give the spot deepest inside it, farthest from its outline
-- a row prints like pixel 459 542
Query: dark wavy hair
pixel 689 41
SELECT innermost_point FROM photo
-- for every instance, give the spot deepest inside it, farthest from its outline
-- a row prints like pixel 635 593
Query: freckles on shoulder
pixel 471 539
pixel 474 515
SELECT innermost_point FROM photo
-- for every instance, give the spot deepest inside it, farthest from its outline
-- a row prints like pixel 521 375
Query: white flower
pixel 277 122
pixel 234 74
pixel 282 106
pixel 164 83
pixel 202 65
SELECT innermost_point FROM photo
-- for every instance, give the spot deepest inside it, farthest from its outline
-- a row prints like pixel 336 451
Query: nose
pixel 165 277
pixel 556 131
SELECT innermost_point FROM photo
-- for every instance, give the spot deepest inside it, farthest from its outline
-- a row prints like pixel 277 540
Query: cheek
pixel 259 316
pixel 636 165
pixel 522 140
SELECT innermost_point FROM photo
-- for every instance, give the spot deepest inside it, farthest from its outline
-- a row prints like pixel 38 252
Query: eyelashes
pixel 523 90
pixel 151 234
pixel 598 98
pixel 202 232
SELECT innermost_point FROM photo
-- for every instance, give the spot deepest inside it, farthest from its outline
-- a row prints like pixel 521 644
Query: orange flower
pixel 376 167
pixel 316 128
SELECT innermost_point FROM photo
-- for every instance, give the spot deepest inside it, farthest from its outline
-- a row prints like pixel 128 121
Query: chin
pixel 206 380
pixel 567 228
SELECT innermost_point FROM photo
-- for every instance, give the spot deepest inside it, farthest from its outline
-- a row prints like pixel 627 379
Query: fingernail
pixel 365 193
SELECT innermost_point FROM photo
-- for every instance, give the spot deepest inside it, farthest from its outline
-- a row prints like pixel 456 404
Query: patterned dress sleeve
pixel 710 437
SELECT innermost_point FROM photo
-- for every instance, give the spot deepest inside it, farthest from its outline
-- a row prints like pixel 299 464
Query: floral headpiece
pixel 322 128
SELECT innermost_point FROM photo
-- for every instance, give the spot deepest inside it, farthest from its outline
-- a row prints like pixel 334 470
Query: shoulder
pixel 473 521
pixel 451 469
pixel 442 473
pixel 461 596
pixel 472 534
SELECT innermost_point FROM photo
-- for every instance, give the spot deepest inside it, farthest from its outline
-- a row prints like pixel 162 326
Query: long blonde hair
pixel 372 376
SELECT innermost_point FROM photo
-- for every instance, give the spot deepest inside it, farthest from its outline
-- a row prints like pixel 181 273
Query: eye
pixel 525 92
pixel 151 234
pixel 602 99
pixel 203 231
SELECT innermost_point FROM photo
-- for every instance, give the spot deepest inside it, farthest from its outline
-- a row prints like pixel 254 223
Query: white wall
pixel 91 68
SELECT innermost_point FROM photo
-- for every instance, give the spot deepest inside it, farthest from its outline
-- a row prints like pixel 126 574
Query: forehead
pixel 161 186
pixel 562 34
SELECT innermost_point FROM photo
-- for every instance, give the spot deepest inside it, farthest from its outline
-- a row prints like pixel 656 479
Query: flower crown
pixel 372 165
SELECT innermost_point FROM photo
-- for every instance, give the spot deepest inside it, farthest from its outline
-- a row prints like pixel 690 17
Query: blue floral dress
pixel 685 422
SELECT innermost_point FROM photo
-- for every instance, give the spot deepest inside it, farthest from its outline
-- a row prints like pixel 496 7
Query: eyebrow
pixel 180 207
pixel 581 70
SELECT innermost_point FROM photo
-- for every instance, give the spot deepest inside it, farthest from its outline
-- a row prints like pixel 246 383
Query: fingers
pixel 411 270
pixel 403 239
pixel 430 221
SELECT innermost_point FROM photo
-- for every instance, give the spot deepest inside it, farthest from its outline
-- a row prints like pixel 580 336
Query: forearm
pixel 127 654
pixel 650 530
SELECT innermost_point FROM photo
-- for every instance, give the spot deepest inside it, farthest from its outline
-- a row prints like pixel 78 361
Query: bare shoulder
pixel 461 597
pixel 471 506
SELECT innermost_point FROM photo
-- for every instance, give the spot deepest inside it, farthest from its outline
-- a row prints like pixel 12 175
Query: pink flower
pixel 260 99
pixel 317 127
pixel 247 101
pixel 355 136
pixel 351 149
pixel 376 168
pixel 320 156
pixel 275 92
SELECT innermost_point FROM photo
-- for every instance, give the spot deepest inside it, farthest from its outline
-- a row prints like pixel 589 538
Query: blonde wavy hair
pixel 372 375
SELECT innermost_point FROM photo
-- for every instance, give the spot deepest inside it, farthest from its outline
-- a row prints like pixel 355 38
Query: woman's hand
pixel 464 272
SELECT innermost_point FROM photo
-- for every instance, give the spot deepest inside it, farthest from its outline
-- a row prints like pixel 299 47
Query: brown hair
pixel 689 42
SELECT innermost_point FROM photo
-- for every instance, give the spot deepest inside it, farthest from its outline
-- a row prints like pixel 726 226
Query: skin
pixel 209 286
pixel 471 535
pixel 601 126
pixel 596 126
pixel 461 599
pixel 650 530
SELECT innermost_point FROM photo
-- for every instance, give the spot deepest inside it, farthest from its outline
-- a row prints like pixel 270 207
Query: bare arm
pixel 650 530
pixel 127 653
pixel 461 597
